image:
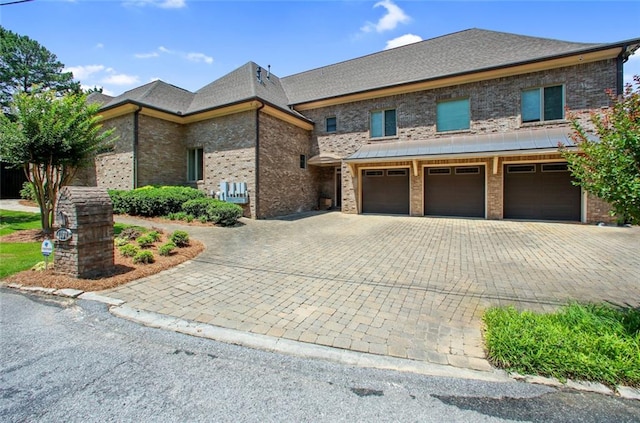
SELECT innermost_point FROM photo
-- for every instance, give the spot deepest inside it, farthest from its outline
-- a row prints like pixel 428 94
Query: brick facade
pixel 161 156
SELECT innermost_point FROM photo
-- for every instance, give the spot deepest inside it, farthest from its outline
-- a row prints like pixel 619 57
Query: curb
pixel 118 308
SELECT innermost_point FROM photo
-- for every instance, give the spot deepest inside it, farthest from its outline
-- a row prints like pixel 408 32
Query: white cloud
pixel 120 79
pixel 192 57
pixel 84 72
pixel 403 40
pixel 163 4
pixel 390 20
pixel 146 55
pixel 199 57
pixel 99 45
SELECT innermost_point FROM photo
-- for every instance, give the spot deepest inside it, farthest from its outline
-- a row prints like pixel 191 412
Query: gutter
pixel 257 148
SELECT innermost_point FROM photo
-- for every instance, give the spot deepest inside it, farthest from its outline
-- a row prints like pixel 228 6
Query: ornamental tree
pixel 51 137
pixel 609 166
pixel 24 63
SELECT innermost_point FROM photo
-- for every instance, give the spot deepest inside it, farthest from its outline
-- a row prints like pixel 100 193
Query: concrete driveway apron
pixel 405 287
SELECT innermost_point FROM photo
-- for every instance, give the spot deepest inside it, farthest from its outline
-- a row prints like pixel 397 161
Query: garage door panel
pixel 455 191
pixel 540 191
pixel 385 191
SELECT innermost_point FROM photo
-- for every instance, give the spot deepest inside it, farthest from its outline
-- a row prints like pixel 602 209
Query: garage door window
pixel 555 167
pixel 467 170
pixel 374 173
pixel 439 171
pixel 397 172
pixel 521 169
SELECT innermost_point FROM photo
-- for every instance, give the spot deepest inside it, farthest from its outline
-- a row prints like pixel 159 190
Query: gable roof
pixel 468 51
pixel 458 54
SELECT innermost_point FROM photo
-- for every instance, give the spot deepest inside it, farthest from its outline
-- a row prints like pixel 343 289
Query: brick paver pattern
pixel 405 287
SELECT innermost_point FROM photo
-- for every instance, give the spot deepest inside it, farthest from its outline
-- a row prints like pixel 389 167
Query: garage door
pixel 454 191
pixel 385 191
pixel 540 191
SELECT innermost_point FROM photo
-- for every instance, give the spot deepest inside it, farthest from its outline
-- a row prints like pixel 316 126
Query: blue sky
pixel 122 44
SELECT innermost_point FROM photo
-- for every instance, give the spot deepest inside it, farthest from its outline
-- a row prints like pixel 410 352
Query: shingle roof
pixel 458 53
pixel 241 84
pixel 533 139
pixel 461 52
pixel 156 94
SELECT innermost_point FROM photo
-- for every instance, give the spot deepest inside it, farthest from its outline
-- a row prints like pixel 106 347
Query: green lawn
pixel 18 256
pixel 591 342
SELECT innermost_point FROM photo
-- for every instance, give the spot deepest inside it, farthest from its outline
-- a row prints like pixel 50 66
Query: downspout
pixel 257 187
pixel 620 71
pixel 135 147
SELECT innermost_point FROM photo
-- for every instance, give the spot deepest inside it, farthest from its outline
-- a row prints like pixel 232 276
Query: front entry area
pixel 454 191
pixel 541 191
pixel 385 191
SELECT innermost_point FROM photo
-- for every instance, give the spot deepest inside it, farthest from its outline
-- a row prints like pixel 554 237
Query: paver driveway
pixel 400 286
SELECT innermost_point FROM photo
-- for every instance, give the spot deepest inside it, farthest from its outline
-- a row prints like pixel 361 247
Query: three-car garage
pixel 536 191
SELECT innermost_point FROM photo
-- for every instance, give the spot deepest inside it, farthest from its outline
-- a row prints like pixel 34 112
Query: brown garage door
pixel 385 191
pixel 454 191
pixel 540 191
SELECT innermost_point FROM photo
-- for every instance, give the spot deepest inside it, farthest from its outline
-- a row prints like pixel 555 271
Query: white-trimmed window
pixel 453 115
pixel 331 124
pixel 195 164
pixel 542 104
pixel 383 123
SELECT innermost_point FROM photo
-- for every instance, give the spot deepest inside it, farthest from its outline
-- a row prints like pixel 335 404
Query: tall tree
pixel 24 63
pixel 51 137
pixel 609 167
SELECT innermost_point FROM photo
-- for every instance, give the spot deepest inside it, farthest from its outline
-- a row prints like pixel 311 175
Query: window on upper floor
pixel 195 164
pixel 541 104
pixel 453 115
pixel 331 124
pixel 383 123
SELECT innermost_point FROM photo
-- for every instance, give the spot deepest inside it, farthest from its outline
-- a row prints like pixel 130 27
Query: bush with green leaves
pixel 152 201
pixel 129 250
pixel 197 207
pixel 223 213
pixel 166 249
pixel 154 235
pixel 28 192
pixel 180 239
pixel 145 241
pixel 119 241
pixel 144 257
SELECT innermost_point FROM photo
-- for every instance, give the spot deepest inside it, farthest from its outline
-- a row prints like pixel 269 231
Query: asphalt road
pixel 72 361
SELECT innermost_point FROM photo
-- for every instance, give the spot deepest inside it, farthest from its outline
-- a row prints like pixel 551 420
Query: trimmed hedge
pixel 152 201
pixel 213 210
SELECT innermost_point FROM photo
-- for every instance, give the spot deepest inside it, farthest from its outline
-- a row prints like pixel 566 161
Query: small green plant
pixel 143 257
pixel 188 218
pixel 155 235
pixel 128 250
pixel 28 192
pixel 119 241
pixel 180 239
pixel 166 249
pixel 145 241
pixel 203 219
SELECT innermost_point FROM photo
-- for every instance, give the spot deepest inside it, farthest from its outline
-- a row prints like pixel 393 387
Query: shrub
pixel 167 249
pixel 180 239
pixel 153 201
pixel 223 213
pixel 129 250
pixel 28 192
pixel 145 241
pixel 197 207
pixel 119 241
pixel 154 235
pixel 144 257
pixel 130 233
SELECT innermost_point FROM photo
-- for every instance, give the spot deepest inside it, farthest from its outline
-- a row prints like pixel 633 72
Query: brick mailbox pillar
pixel 87 215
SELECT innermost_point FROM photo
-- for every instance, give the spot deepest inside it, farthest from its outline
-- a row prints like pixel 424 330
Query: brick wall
pixel 114 170
pixel 162 159
pixel 285 188
pixel 495 107
pixel 228 143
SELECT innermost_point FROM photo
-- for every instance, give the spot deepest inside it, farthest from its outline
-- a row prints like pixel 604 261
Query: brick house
pixel 467 124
